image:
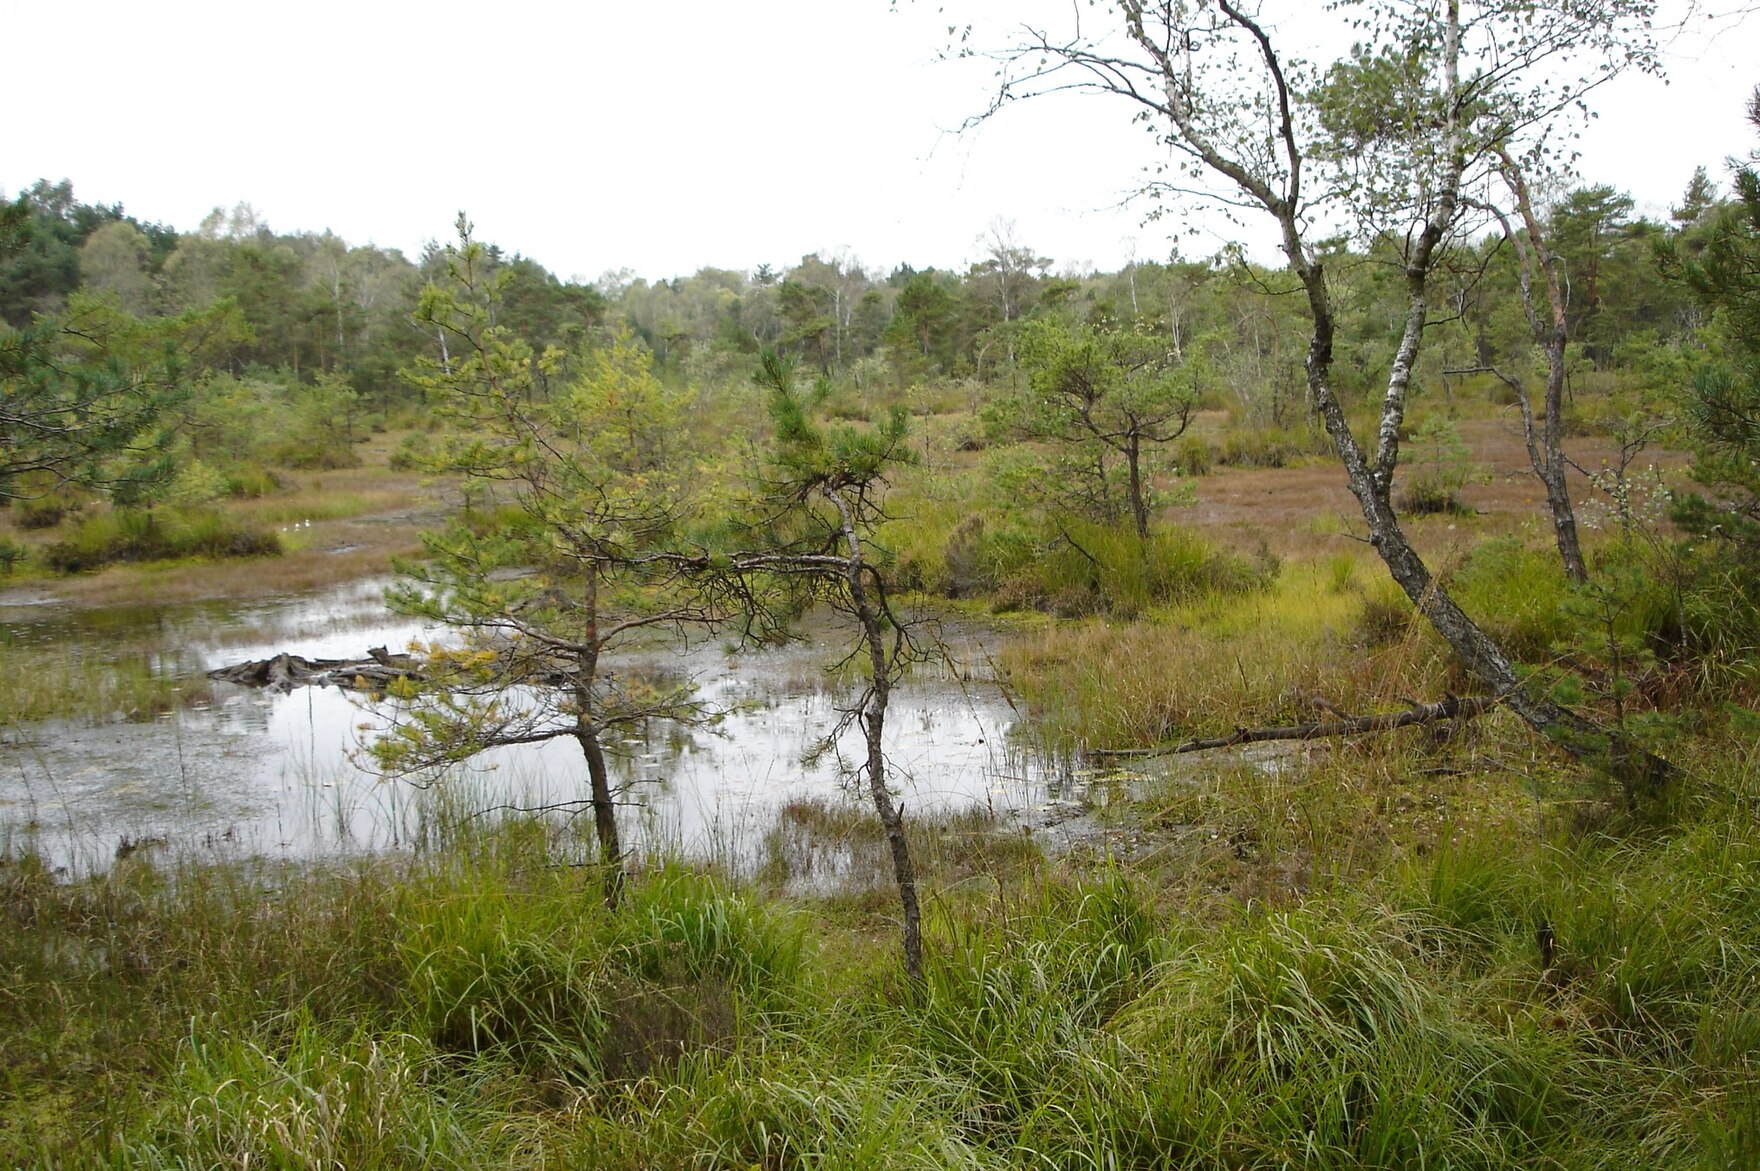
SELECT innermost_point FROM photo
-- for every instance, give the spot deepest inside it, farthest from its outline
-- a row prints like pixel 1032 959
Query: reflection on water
pixel 244 771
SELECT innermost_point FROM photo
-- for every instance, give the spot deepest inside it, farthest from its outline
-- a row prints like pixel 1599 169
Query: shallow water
pixel 239 771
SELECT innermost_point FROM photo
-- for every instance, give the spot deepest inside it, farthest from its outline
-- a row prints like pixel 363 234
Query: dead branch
pixel 1450 707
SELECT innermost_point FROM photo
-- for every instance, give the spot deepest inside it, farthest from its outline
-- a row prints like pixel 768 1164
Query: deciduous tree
pixel 1384 143
pixel 1723 401
pixel 1549 323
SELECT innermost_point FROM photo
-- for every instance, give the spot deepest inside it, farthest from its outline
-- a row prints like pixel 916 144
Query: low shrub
pixel 1196 456
pixel 44 512
pixel 1438 467
pixel 1268 447
pixel 412 453
pixel 1424 496
pixel 944 539
pixel 305 455
pixel 1082 567
pixel 251 482
pixel 132 535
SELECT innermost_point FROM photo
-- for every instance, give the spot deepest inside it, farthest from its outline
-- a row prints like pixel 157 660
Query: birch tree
pixel 1389 142
pixel 1549 324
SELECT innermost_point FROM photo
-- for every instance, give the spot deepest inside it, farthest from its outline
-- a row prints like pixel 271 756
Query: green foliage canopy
pixel 1722 405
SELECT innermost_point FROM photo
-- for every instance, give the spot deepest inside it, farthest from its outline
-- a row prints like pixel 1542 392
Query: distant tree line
pixel 314 304
pixel 288 346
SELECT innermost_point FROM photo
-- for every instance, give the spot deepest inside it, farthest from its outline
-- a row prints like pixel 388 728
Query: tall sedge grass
pixel 1416 951
pixel 1221 661
pixel 1515 591
pixel 477 1005
pixel 89 685
pixel 315 1097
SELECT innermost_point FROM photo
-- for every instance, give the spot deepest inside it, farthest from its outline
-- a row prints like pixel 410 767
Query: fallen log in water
pixel 284 672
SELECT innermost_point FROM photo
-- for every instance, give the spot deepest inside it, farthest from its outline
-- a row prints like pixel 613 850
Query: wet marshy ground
pixel 184 764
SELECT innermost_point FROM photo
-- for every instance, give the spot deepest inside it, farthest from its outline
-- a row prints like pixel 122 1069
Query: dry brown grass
pixel 361 517
pixel 336 526
pixel 1309 511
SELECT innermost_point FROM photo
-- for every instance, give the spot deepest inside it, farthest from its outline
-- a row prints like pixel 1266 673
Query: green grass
pixel 477 1005
pixel 1223 659
pixel 91 685
pixel 165 534
pixel 1332 959
pixel 321 505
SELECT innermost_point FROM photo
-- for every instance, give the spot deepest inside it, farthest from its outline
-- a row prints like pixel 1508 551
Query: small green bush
pixel 251 482
pixel 12 555
pixel 1424 496
pixel 44 512
pixel 1438 467
pixel 1196 456
pixel 305 456
pixel 1268 447
pixel 412 453
pixel 1082 567
pixel 130 535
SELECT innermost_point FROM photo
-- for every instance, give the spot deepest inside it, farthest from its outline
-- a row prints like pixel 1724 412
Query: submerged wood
pixel 286 671
pixel 1450 707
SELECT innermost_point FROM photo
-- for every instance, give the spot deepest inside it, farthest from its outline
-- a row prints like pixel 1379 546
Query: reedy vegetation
pixel 479 1005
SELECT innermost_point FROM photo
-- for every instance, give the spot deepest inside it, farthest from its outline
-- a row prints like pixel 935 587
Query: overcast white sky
pixel 656 137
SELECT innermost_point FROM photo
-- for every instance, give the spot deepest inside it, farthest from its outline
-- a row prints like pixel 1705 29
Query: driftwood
pixel 284 672
pixel 1450 707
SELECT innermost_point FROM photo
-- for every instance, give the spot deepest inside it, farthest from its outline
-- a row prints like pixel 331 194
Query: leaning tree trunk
pixel 873 719
pixel 1639 772
pixel 1371 482
pixel 604 811
pixel 586 734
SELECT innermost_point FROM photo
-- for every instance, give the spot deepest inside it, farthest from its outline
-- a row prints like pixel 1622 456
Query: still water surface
pixel 238 771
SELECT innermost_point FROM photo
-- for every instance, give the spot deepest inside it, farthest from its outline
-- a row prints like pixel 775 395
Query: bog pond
pixel 236 772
